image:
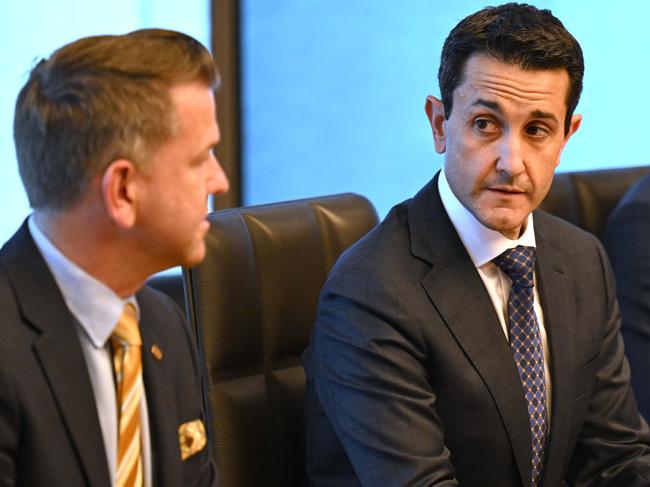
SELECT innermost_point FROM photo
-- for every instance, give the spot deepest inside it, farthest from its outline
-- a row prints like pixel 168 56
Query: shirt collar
pixel 95 305
pixel 482 244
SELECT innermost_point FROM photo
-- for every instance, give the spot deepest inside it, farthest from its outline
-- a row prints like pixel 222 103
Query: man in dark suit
pixel 469 339
pixel 626 240
pixel 99 377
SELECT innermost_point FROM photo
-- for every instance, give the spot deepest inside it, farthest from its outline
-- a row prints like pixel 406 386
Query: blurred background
pixel 323 97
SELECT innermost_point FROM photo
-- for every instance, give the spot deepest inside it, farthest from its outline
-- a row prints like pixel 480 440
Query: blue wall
pixel 334 92
pixel 32 29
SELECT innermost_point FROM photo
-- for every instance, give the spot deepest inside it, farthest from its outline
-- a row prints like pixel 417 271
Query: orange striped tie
pixel 127 361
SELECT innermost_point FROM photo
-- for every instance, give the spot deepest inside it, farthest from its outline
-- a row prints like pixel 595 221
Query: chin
pixel 504 223
pixel 195 256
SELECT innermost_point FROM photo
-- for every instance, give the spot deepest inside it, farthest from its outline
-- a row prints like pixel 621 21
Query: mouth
pixel 505 190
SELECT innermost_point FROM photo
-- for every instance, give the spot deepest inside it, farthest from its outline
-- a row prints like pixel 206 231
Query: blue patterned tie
pixel 526 345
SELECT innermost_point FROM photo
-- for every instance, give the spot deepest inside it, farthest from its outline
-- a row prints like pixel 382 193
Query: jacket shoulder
pixel 383 243
pixel 561 232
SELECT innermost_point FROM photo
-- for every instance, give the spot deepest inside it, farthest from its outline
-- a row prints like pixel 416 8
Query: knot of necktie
pixel 126 330
pixel 518 264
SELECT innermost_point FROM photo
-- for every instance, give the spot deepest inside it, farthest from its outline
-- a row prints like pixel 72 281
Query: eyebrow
pixel 497 108
pixel 488 104
pixel 200 154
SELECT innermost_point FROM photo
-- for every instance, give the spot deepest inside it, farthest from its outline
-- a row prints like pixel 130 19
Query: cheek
pixel 553 152
pixel 542 177
pixel 473 160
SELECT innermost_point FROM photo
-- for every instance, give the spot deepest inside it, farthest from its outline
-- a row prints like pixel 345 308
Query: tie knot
pixel 518 264
pixel 126 329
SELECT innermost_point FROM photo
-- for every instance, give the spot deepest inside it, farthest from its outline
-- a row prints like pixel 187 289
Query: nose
pixel 217 179
pixel 510 159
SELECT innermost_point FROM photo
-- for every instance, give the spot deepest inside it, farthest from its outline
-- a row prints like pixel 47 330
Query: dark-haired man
pixel 99 378
pixel 469 339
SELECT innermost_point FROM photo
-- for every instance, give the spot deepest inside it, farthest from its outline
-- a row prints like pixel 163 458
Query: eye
pixel 486 125
pixel 537 131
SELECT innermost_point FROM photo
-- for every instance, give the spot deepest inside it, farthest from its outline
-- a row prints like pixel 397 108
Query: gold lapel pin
pixel 156 352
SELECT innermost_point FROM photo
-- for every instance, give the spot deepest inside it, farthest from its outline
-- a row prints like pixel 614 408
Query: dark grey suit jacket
pixel 49 427
pixel 411 380
pixel 626 239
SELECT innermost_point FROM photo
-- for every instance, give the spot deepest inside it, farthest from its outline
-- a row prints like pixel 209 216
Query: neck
pixel 90 241
pixel 514 233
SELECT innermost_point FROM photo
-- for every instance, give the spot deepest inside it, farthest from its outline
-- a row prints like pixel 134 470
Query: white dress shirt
pixel 97 309
pixel 483 245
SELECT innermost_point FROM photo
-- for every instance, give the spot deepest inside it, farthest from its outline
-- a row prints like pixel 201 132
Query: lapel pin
pixel 156 352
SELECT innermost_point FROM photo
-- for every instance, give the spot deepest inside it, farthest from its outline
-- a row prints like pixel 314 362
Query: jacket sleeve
pixel 8 434
pixel 366 366
pixel 9 415
pixel 613 446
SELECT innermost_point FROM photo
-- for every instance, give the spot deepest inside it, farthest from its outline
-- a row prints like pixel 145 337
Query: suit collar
pixel 425 216
pixel 58 350
pixel 469 314
pixel 96 307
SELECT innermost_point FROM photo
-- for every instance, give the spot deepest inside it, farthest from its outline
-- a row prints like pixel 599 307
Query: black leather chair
pixel 171 283
pixel 586 198
pixel 253 303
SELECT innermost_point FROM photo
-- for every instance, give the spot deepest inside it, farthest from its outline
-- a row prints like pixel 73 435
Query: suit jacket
pixel 626 240
pixel 411 381
pixel 49 427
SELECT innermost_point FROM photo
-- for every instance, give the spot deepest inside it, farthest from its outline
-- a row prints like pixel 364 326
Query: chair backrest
pixel 253 303
pixel 586 198
pixel 170 283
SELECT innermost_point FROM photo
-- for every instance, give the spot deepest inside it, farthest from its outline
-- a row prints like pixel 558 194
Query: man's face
pixel 503 139
pixel 176 183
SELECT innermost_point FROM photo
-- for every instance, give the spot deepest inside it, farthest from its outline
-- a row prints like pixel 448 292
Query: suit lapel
pixel 459 295
pixel 555 293
pixel 163 424
pixel 58 351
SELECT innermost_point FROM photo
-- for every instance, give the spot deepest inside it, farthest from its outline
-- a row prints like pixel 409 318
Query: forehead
pixel 193 100
pixel 194 110
pixel 506 84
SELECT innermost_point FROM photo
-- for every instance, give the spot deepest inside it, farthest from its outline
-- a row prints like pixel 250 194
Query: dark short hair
pixel 99 99
pixel 517 34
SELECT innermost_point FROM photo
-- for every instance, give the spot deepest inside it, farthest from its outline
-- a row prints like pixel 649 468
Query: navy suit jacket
pixel 626 239
pixel 411 381
pixel 49 427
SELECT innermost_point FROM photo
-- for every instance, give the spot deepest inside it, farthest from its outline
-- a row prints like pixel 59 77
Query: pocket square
pixel 191 438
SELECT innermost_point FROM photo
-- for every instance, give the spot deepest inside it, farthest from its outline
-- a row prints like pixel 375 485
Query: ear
pixel 574 125
pixel 119 192
pixel 436 115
